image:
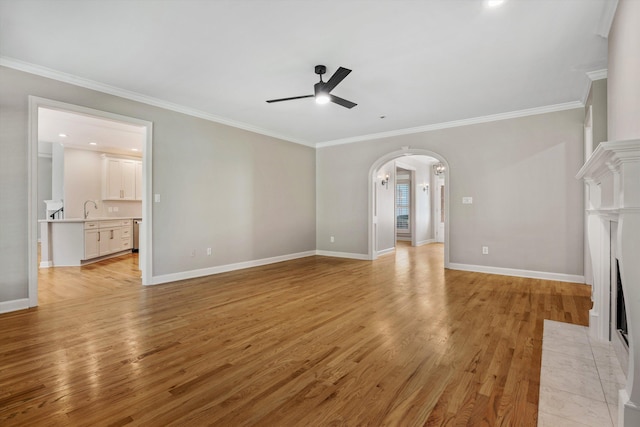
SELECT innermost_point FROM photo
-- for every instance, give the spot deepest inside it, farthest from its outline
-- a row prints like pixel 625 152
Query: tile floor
pixel 579 380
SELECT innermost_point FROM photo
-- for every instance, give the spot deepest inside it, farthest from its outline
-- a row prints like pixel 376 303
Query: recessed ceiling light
pixel 62 135
pixel 494 3
pixel 93 143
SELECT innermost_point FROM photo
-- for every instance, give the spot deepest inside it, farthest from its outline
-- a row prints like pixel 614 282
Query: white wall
pixel 44 186
pixel 57 171
pixel 83 181
pixel 528 206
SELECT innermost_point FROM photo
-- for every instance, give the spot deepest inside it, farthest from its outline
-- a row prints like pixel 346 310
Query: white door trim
pixel 371 196
pixel 32 204
pixel 439 183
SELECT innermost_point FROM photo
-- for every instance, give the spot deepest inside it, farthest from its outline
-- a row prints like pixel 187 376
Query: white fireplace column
pixel 613 176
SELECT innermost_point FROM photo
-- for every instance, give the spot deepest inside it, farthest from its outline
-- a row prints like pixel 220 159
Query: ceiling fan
pixel 321 89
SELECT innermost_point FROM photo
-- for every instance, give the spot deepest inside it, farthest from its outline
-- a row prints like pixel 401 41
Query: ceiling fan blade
pixel 337 77
pixel 341 101
pixel 289 99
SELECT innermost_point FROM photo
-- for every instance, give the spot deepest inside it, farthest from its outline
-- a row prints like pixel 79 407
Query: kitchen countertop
pixel 90 219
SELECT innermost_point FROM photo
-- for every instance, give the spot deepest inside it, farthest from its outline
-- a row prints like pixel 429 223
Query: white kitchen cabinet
pixel 106 237
pixel 119 179
pixel 76 242
pixel 115 239
pixel 126 234
pixel 104 247
pixel 91 244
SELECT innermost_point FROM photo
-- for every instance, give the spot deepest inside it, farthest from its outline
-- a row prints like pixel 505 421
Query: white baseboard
pixel 173 277
pixel 628 411
pixel 518 273
pixel 350 255
pixel 386 251
pixel 14 305
pixel 425 242
pixel 403 238
pixel 46 264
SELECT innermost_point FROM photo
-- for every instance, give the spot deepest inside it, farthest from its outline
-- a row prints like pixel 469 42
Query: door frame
pixel 412 200
pixel 35 103
pixel 439 184
pixel 372 180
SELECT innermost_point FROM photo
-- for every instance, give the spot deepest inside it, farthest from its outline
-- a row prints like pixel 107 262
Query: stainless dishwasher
pixel 136 235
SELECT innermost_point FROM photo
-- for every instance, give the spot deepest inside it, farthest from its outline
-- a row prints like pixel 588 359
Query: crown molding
pixel 597 74
pixel 606 19
pixel 456 123
pixel 593 76
pixel 134 96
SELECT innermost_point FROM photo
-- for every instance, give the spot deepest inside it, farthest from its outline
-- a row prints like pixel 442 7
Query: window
pixel 403 205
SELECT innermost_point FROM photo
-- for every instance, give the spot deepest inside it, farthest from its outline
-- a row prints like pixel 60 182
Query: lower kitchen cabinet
pixel 75 242
pixel 106 237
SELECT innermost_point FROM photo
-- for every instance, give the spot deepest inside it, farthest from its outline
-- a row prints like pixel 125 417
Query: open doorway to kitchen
pixel 78 219
pixel 408 201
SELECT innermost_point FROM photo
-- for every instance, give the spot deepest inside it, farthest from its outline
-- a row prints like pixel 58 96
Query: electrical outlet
pixel 332 239
pixel 485 250
pixel 209 251
pixel 110 209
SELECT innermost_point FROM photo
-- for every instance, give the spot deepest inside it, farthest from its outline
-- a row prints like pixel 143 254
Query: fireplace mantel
pixel 612 174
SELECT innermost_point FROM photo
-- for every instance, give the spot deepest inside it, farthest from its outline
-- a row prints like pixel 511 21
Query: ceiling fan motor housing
pixel 321 69
pixel 318 88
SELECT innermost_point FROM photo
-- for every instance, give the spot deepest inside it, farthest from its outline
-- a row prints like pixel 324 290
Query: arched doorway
pixel 375 181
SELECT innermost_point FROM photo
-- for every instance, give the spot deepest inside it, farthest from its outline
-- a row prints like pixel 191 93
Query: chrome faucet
pixel 86 212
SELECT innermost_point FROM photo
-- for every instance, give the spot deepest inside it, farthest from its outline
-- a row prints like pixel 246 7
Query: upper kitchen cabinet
pixel 119 179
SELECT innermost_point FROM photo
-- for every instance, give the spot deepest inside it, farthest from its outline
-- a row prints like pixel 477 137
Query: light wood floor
pixel 312 342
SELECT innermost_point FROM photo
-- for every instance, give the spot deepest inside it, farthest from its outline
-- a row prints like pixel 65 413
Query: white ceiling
pixel 89 132
pixel 417 63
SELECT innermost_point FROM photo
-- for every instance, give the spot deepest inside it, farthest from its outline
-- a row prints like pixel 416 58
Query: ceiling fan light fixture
pixel 322 98
pixel 494 3
pixel 322 90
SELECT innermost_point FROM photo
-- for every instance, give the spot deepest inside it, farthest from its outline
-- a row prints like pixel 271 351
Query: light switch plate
pixel 467 200
pixel 156 198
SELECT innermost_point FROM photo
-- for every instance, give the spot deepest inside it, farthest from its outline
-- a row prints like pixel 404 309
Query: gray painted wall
pixel 624 68
pixel 385 197
pixel 247 196
pixel 597 99
pixel 527 205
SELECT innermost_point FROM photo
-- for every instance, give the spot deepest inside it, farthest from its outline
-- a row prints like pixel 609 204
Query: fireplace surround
pixel 612 175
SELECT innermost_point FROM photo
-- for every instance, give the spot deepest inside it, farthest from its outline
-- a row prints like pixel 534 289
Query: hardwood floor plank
pixel 314 341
